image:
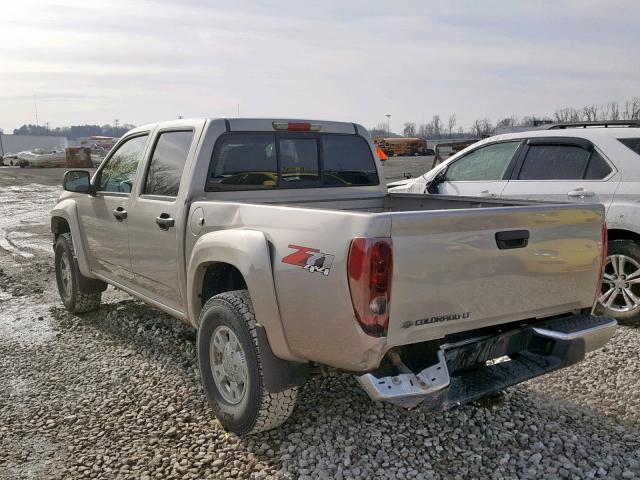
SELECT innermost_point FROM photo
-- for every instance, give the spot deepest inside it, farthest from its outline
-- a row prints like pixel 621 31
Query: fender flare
pixel 68 210
pixel 248 251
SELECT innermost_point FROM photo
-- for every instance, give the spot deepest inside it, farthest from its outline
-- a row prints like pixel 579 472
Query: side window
pixel 246 160
pixel 119 173
pixel 632 143
pixel 485 163
pixel 554 162
pixel 167 163
pixel 598 167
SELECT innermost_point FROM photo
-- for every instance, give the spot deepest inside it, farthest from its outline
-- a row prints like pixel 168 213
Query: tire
pixel 78 293
pixel 627 251
pixel 254 409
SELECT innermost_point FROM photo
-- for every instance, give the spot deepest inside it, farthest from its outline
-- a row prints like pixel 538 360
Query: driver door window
pixel 119 172
pixel 486 163
pixel 480 172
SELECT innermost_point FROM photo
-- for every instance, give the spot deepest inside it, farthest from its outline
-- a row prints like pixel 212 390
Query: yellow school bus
pixel 402 146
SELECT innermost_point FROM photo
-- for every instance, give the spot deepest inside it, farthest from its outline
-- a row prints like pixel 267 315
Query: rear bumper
pixel 463 372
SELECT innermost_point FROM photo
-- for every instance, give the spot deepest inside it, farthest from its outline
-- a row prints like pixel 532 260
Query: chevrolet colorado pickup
pixel 278 241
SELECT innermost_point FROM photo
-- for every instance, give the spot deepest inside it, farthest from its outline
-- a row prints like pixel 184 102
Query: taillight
pixel 603 260
pixel 296 126
pixel 370 269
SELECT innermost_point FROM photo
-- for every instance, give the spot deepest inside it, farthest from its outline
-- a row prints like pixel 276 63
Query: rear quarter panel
pixel 316 313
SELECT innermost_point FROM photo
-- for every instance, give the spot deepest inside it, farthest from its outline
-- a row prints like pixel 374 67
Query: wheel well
pixel 219 278
pixel 619 234
pixel 59 225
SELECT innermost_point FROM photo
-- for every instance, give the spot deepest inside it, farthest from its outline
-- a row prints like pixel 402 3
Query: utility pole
pixel 238 110
pixel 35 104
pixel 115 123
pixel 46 126
pixel 388 115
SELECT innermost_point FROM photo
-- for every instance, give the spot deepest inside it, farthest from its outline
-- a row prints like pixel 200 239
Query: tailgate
pixel 450 274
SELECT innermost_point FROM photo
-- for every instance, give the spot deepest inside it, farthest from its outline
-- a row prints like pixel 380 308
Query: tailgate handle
pixel 512 239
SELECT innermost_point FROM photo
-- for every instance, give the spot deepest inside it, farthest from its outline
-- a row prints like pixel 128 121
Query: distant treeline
pixel 438 129
pixel 75 131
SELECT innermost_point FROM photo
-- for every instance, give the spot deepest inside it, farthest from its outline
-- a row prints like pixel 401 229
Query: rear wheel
pixel 231 367
pixel 620 293
pixel 78 293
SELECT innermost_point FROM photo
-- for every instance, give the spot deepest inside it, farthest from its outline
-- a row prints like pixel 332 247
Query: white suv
pixel 582 162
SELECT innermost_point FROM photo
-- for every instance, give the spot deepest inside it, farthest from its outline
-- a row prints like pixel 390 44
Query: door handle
pixel 487 193
pixel 581 193
pixel 165 222
pixel 120 213
pixel 512 239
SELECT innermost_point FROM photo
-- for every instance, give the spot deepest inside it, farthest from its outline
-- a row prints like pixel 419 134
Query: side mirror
pixel 432 186
pixel 77 181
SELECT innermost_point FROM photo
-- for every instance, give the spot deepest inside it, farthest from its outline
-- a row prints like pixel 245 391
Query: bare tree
pixel 426 131
pixel 379 130
pixel 565 115
pixel 632 109
pixel 409 129
pixel 437 126
pixel 614 111
pixel 452 123
pixel 476 128
pixel 487 127
pixel 505 123
pixel 590 113
pixel 482 128
pixel 610 111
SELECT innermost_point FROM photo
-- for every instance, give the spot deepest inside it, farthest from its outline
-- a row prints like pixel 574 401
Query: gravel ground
pixel 116 394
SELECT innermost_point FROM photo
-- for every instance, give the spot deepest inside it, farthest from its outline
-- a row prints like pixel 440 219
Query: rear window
pixel 563 162
pixel 554 162
pixel 632 143
pixel 255 161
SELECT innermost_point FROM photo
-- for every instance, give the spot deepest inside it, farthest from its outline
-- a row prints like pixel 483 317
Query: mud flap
pixel 279 375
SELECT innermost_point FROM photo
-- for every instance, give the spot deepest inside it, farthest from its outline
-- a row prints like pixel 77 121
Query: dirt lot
pixel 115 394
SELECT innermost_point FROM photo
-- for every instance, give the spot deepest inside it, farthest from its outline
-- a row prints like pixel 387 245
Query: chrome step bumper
pixel 463 371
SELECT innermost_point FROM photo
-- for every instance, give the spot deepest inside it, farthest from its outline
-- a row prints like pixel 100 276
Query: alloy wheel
pixel 620 284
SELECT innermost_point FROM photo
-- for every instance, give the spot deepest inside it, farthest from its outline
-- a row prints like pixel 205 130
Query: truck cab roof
pixel 262 125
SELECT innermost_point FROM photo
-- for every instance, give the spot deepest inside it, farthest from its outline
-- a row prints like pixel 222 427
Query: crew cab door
pixel 104 217
pixel 481 172
pixel 156 217
pixel 562 170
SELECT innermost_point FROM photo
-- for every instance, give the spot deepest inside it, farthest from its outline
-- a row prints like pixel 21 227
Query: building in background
pixel 21 143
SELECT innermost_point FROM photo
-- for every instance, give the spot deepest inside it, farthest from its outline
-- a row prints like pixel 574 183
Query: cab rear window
pixel 257 161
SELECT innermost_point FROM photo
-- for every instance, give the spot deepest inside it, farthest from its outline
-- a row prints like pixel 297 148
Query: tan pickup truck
pixel 278 241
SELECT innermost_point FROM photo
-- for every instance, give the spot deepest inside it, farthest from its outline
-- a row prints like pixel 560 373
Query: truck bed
pixel 449 273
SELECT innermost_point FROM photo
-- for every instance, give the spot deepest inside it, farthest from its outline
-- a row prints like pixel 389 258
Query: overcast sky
pixel 93 61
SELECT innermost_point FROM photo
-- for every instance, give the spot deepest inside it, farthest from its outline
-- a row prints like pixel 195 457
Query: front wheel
pixel 620 293
pixel 78 293
pixel 231 367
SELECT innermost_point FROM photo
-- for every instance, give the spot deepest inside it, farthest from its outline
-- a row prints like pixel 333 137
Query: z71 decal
pixel 310 259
